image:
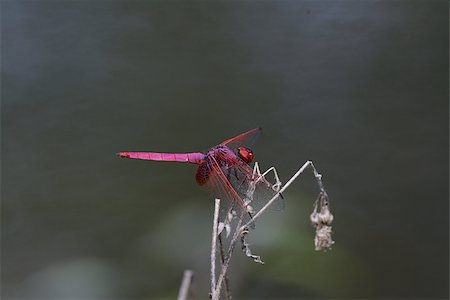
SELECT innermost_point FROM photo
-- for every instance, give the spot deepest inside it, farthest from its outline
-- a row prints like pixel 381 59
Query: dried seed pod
pixel 325 216
pixel 314 217
pixel 323 240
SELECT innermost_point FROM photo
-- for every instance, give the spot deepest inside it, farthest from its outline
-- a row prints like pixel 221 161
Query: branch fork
pixel 321 218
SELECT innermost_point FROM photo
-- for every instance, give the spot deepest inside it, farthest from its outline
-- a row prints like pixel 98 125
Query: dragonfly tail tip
pixel 123 154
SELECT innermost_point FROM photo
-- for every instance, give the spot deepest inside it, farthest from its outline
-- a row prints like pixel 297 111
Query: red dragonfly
pixel 224 170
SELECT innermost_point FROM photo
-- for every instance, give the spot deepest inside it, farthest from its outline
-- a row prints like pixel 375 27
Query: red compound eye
pixel 245 154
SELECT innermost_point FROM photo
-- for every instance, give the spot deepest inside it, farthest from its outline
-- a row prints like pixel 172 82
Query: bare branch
pixel 213 247
pixel 222 260
pixel 299 172
pixel 224 270
pixel 185 284
pixel 323 236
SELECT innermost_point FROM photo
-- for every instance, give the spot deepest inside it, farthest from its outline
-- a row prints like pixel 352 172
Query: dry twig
pixel 185 284
pixel 213 247
pixel 222 260
pixel 323 239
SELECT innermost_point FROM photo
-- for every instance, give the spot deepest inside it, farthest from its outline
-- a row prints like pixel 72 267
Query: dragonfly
pixel 225 171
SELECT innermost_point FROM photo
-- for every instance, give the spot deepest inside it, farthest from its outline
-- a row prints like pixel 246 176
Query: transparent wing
pixel 246 139
pixel 219 186
pixel 254 189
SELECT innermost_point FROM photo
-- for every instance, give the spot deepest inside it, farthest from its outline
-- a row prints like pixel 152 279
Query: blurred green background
pixel 359 87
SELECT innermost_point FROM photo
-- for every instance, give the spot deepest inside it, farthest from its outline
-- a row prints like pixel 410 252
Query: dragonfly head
pixel 246 154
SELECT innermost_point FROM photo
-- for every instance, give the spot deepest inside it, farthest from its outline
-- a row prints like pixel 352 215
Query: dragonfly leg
pixel 236 174
pixel 228 175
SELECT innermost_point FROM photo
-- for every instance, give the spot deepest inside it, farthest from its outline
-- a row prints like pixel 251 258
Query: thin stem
pixel 222 260
pixel 185 284
pixel 224 270
pixel 298 173
pixel 240 228
pixel 318 178
pixel 213 247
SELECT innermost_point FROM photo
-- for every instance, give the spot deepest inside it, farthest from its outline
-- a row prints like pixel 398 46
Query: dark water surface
pixel 359 87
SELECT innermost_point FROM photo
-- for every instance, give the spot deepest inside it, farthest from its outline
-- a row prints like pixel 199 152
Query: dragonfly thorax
pixel 220 155
pixel 215 155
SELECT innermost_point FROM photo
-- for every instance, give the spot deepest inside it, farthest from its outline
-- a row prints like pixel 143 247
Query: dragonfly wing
pixel 246 139
pixel 257 190
pixel 220 187
pixel 264 192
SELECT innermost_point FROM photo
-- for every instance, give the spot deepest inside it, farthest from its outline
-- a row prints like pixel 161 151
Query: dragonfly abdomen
pixel 193 158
